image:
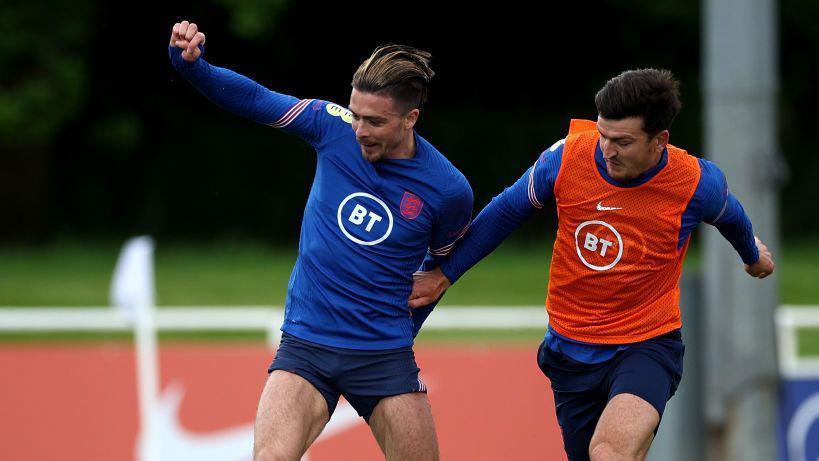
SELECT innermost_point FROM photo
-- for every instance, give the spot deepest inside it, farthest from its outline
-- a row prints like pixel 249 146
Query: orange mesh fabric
pixel 615 269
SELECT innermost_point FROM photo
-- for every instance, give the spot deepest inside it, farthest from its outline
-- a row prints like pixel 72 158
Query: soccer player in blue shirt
pixel 383 199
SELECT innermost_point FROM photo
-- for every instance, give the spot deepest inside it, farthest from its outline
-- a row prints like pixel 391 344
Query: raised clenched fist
pixel 186 35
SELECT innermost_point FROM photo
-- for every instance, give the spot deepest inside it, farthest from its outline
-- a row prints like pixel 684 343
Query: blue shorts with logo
pixel 651 370
pixel 363 377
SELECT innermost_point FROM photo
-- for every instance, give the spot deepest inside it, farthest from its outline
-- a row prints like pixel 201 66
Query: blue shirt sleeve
pixel 505 213
pixel 714 204
pixel 736 227
pixel 311 120
pixel 454 218
pixel 420 314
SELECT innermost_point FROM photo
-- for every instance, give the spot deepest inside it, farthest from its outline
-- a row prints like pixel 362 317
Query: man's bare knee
pixel 604 451
pixel 271 454
pixel 600 452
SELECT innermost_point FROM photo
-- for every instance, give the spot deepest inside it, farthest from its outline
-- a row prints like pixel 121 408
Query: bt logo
pixel 592 242
pixel 602 246
pixel 357 217
pixel 364 218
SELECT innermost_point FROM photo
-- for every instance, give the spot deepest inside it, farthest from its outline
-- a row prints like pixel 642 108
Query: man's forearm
pixel 231 91
pixel 494 223
pixel 736 227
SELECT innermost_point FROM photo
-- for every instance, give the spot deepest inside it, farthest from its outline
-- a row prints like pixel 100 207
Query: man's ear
pixel 662 140
pixel 411 118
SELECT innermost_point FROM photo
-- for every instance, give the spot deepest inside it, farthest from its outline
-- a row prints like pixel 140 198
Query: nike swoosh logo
pixel 168 439
pixel 600 207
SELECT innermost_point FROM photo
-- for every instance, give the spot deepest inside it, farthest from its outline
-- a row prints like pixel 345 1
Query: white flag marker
pixel 133 294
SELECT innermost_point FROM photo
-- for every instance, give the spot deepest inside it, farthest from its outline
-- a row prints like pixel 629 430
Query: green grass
pixel 808 342
pixel 61 275
pixel 74 274
pixel 80 275
pixel 799 273
pixel 236 274
pixel 240 274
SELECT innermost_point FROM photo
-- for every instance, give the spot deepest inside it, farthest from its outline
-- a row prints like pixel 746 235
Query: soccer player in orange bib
pixel 627 202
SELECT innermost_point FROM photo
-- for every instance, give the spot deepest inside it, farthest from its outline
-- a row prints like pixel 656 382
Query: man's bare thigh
pixel 404 428
pixel 625 429
pixel 291 415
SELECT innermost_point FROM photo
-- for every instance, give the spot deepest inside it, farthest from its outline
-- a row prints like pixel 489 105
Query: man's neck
pixel 405 150
pixel 651 165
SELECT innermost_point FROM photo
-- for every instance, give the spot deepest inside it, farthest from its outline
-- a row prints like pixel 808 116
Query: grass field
pixel 75 274
pixel 239 274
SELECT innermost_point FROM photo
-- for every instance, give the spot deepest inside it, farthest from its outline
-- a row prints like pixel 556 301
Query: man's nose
pixel 361 132
pixel 608 149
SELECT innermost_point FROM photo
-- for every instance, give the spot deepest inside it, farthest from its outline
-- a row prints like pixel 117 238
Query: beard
pixel 374 154
pixel 618 171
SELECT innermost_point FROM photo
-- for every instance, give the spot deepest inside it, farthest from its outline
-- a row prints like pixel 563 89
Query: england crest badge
pixel 411 205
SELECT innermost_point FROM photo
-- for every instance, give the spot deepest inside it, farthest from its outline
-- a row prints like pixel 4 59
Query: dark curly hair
pixel 651 94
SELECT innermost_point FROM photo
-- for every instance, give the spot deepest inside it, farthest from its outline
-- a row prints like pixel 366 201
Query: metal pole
pixel 681 433
pixel 740 82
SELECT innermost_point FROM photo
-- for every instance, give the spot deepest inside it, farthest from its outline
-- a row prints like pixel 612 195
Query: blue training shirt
pixel 711 203
pixel 367 226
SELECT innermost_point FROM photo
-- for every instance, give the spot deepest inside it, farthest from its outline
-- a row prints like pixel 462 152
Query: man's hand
pixel 764 266
pixel 186 35
pixel 427 287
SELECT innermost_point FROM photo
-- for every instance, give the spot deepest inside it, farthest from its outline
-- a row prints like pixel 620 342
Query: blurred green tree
pixel 253 18
pixel 43 84
pixel 49 55
pixel 43 69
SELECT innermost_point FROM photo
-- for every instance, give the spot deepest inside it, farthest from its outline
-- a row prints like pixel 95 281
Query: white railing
pixel 789 320
pixel 247 318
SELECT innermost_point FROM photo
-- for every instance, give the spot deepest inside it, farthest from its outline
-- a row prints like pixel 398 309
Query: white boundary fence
pixel 247 318
pixel 799 391
pixel 789 320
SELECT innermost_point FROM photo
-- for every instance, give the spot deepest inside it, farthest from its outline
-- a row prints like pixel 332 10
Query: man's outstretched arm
pixel 505 213
pixel 234 92
pixel 722 210
pixel 735 226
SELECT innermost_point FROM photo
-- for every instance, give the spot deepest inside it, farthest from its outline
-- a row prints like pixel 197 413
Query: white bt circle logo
pixel 598 245
pixel 364 218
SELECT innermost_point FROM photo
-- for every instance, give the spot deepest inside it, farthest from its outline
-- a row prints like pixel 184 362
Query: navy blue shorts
pixel 362 377
pixel 651 370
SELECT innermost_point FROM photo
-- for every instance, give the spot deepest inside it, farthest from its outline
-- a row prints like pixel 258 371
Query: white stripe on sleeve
pixel 291 114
